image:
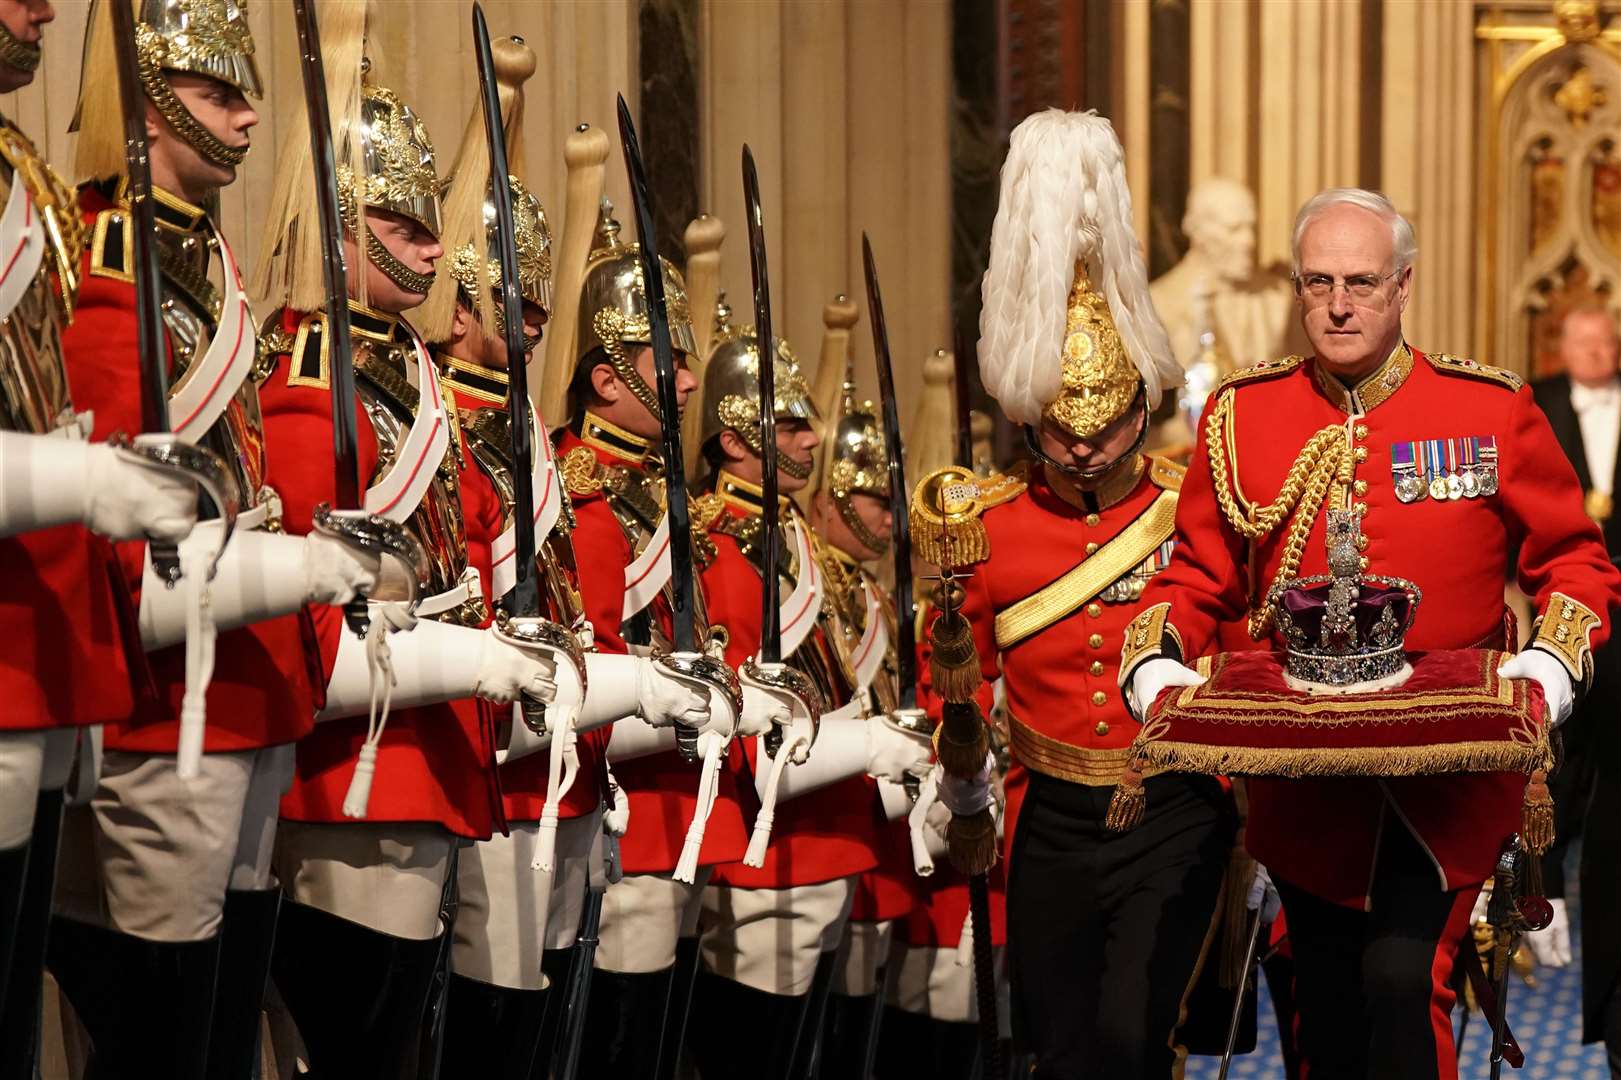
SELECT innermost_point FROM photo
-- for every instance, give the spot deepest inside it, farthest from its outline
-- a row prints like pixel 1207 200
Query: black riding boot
pixel 623 1018
pixel 849 1036
pixel 808 1052
pixel 739 1033
pixel 247 942
pixel 911 1045
pixel 22 978
pixel 492 1031
pixel 147 1005
pixel 558 967
pixel 358 996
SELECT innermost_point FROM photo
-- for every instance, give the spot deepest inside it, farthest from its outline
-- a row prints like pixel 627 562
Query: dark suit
pixel 1590 801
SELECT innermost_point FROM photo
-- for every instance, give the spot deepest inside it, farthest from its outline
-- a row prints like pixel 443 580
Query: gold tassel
pixel 953 660
pixel 1536 827
pixel 961 741
pixel 971 842
pixel 1129 800
pixel 954 543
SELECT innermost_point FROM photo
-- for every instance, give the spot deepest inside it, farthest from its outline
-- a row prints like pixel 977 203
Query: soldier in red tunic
pixel 167 876
pixel 1105 932
pixel 516 921
pixel 611 467
pixel 63 612
pixel 772 922
pixel 399 772
pixel 1458 483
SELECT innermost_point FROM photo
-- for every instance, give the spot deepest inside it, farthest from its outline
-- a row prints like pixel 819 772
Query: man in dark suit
pixel 1584 407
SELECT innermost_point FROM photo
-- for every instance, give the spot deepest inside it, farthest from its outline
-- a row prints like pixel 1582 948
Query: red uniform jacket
pixel 830 833
pixel 435 763
pixel 662 788
pixel 1065 716
pixel 266 685
pixel 1322 835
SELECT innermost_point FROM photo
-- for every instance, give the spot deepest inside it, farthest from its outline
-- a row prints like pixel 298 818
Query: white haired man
pixel 1378 877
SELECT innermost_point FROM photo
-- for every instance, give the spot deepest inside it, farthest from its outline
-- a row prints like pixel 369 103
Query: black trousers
pixel 1104 929
pixel 1371 987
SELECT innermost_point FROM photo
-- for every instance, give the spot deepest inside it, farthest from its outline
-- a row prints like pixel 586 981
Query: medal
pixel 1432 461
pixel 1469 450
pixel 1404 468
pixel 1454 482
pixel 1488 465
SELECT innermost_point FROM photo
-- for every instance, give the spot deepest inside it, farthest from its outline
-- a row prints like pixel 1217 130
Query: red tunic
pixel 1322 835
pixel 1065 716
pixel 266 684
pixel 434 763
pixel 662 788
pixel 828 834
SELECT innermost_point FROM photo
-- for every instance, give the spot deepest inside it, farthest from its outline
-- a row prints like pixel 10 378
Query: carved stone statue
pixel 1222 311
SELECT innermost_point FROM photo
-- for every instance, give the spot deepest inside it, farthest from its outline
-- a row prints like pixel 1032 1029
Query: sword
pixel 1238 997
pixel 962 362
pixel 157 444
pixel 345 516
pixel 770 523
pixel 521 605
pixel 979 906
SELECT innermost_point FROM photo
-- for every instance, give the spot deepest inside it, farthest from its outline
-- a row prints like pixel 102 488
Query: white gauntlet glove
pixel 260 576
pixel 965 798
pixel 763 710
pixel 1550 674
pixel 507 672
pixel 664 698
pixel 47 481
pixel 894 754
pixel 1154 676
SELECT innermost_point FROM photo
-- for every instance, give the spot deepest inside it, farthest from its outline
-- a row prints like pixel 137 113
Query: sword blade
pixel 525 596
pixel 340 356
pixel 962 390
pixel 905 621
pixel 683 637
pixel 152 342
pixel 771 524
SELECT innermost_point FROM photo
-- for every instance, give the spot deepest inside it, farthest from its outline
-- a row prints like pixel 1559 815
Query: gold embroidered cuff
pixel 1145 638
pixel 1565 629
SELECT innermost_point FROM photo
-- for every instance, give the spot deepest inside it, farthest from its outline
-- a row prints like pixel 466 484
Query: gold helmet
pixel 469 235
pixel 614 309
pixel 856 461
pixel 196 37
pixel 397 174
pixel 385 159
pixel 731 390
pixel 1070 336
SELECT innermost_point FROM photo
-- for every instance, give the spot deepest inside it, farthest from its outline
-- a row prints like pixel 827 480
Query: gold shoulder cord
pixel 1322 462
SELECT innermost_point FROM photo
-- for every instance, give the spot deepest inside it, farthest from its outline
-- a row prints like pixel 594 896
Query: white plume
pixel 1064 198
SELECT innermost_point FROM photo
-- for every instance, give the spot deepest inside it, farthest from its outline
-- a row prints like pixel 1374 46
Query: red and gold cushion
pixel 1454 714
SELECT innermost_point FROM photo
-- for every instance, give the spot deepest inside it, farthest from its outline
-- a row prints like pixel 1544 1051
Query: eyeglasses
pixel 1357 286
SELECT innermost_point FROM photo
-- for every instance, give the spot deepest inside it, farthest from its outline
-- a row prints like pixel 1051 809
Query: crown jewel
pixel 1343 632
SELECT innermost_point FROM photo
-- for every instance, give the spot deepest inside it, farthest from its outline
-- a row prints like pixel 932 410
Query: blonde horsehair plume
pixel 1063 199
pixel 585 153
pixel 461 212
pixel 931 442
pixel 99 118
pixel 290 262
pixel 835 381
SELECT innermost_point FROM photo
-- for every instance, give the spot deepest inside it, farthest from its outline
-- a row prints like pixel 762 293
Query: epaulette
pixel 946 509
pixel 1261 369
pixel 308 353
pixel 273 341
pixel 1166 473
pixel 1457 365
pixel 705 510
pixel 582 473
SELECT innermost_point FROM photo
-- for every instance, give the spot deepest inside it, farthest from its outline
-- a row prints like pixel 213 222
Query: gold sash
pixel 1108 564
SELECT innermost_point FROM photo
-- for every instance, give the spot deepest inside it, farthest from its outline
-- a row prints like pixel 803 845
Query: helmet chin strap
pixel 1082 476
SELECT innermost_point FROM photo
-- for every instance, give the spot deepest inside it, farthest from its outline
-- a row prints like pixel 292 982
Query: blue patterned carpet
pixel 1546 1019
